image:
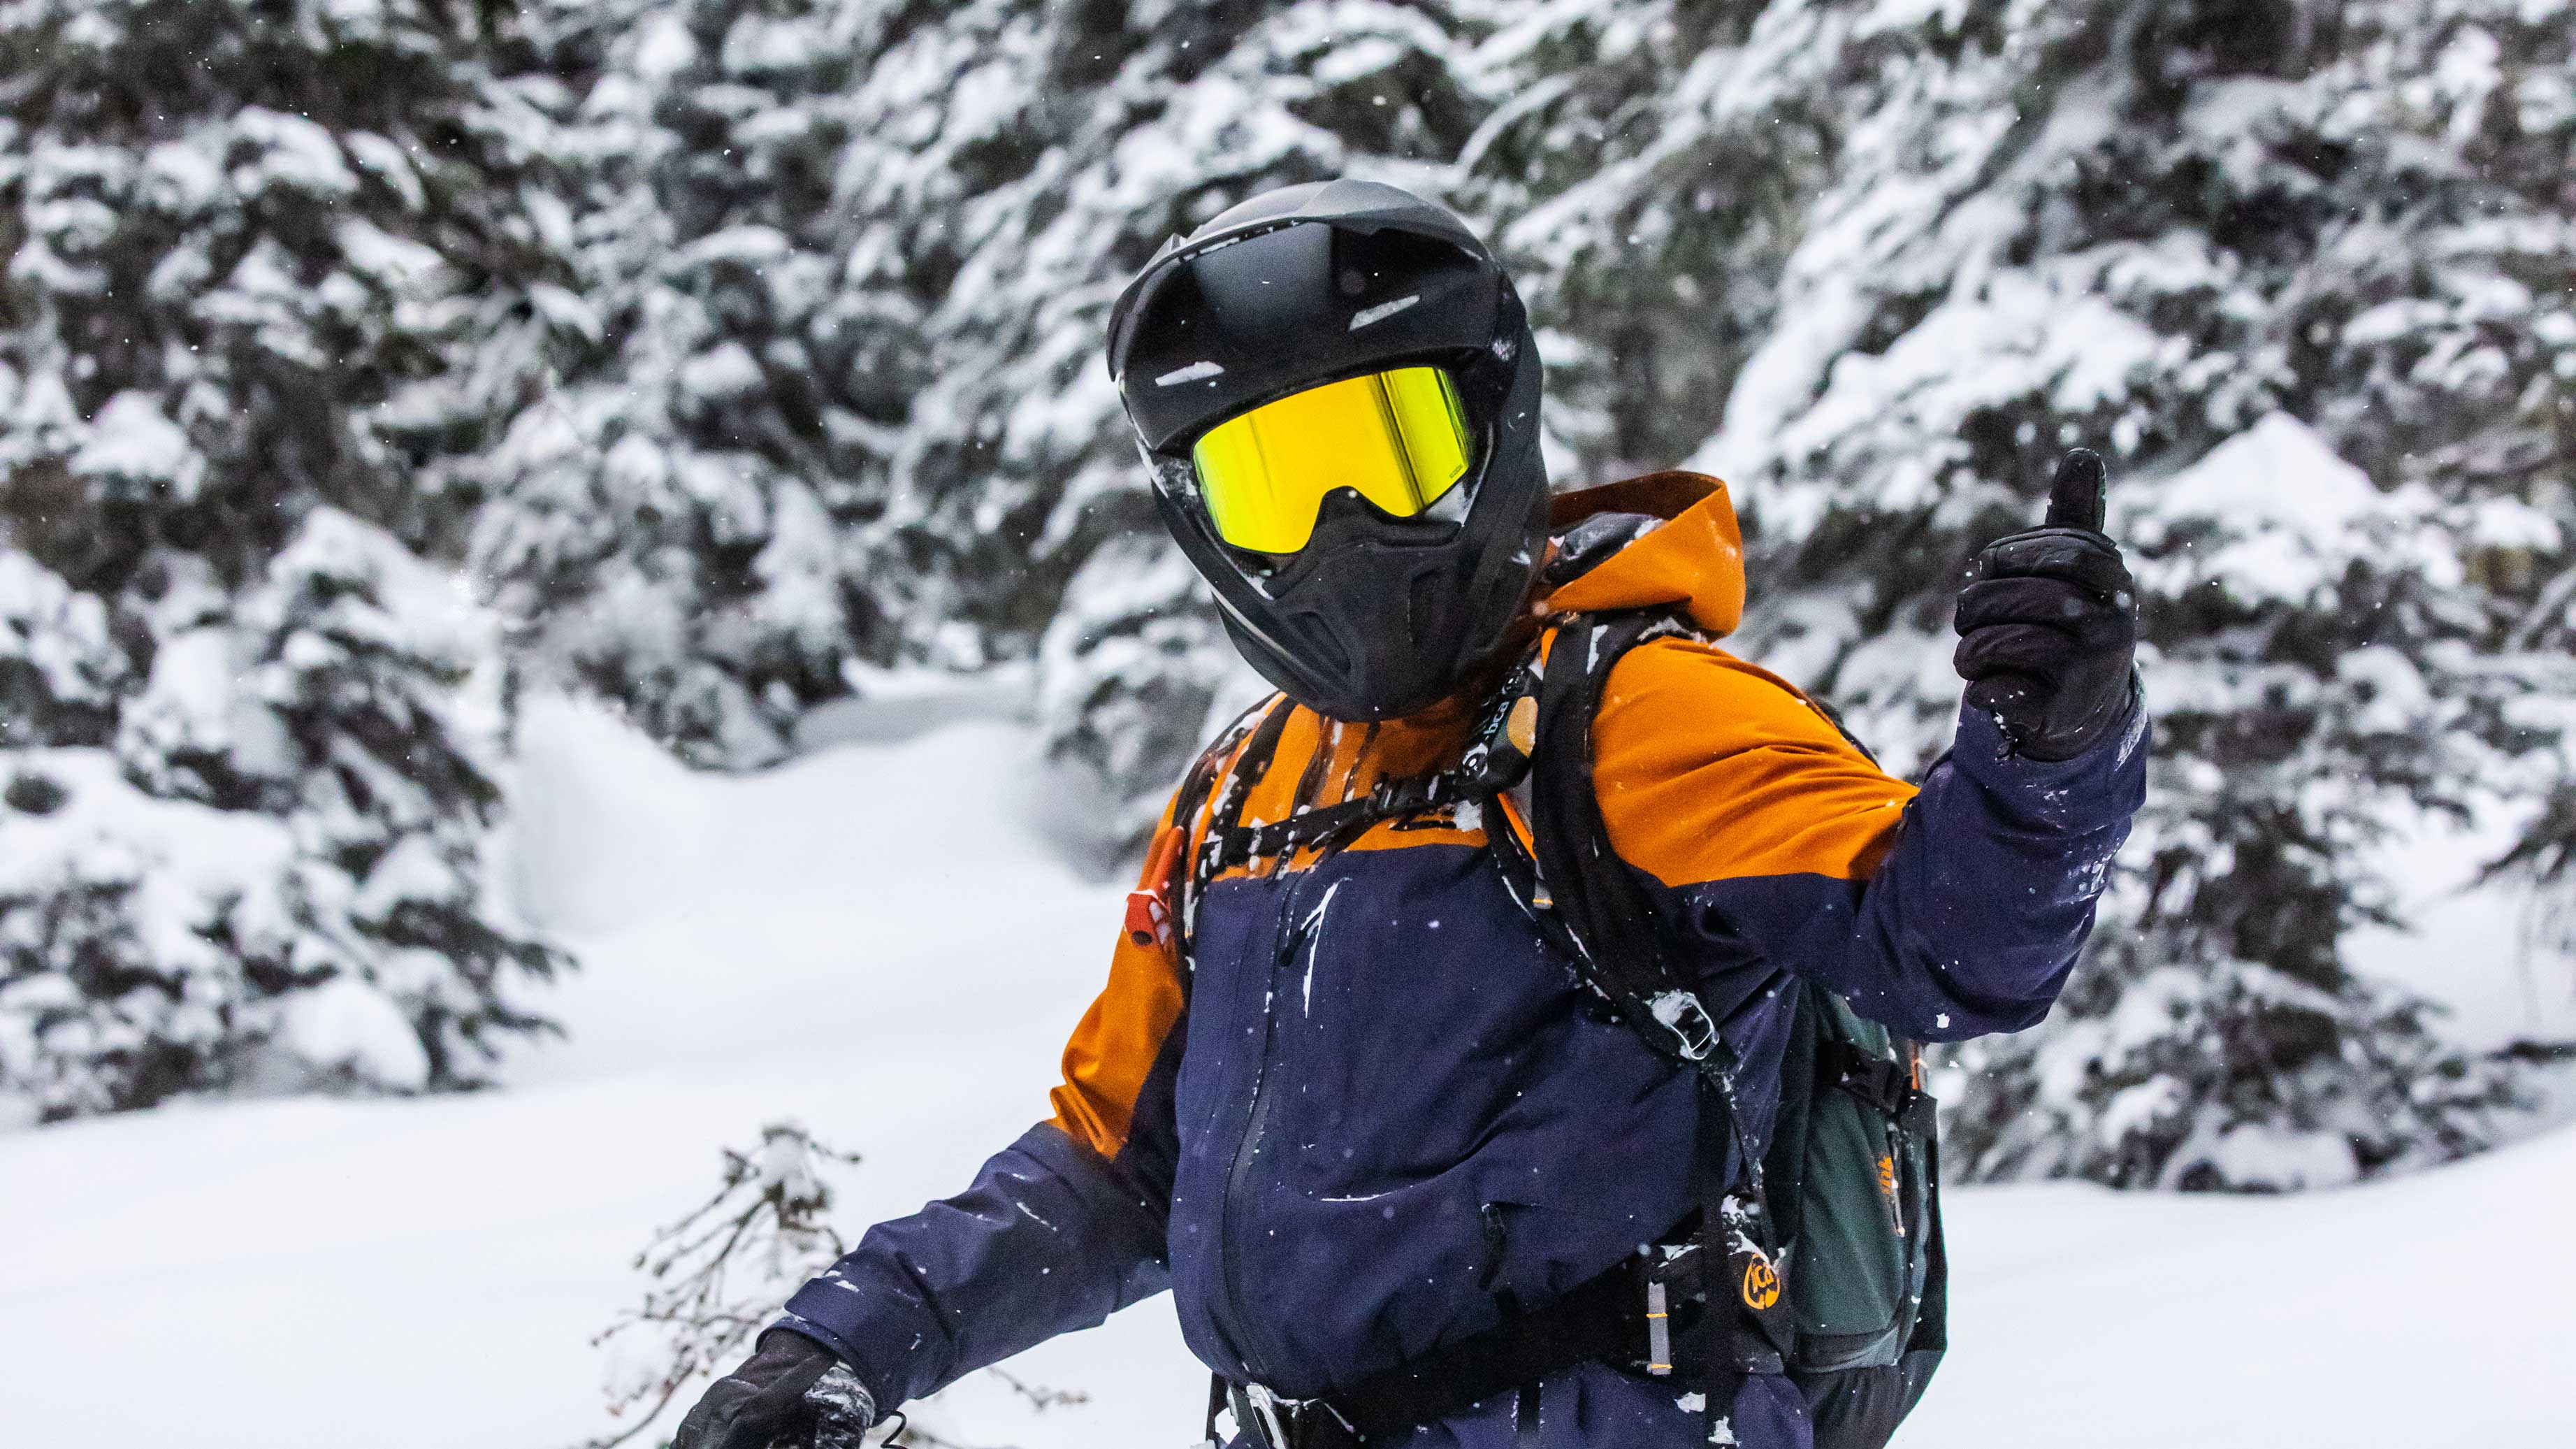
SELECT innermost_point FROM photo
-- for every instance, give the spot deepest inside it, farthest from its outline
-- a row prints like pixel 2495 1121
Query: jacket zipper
pixel 1294 929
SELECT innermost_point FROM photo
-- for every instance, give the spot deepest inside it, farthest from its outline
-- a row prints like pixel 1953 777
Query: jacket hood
pixel 1692 557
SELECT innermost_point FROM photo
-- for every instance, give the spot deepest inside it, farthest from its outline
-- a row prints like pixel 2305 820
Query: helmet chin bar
pixel 1428 529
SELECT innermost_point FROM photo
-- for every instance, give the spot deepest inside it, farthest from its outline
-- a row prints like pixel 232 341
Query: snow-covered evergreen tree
pixel 276 272
pixel 2303 272
pixel 860 412
pixel 673 529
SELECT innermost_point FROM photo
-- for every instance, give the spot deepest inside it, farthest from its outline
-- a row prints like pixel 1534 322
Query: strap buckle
pixel 1885 1085
pixel 1694 1030
pixel 1266 1416
pixel 1275 1421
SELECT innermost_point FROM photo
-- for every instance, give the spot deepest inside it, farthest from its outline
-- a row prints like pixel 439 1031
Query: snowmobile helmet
pixel 1337 393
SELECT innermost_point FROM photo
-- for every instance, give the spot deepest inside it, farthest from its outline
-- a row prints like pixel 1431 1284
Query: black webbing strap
pixel 1487 767
pixel 1601 1319
pixel 1885 1085
pixel 1239 844
pixel 1627 948
pixel 1623 944
pixel 1216 1405
pixel 1203 771
pixel 1932 1317
pixel 1227 818
pixel 1195 788
pixel 1618 937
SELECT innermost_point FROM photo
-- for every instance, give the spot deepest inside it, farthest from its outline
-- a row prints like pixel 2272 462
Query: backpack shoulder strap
pixel 1162 906
pixel 1622 942
pixel 1629 951
pixel 1594 904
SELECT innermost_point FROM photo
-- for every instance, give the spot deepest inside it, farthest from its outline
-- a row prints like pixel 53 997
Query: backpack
pixel 1828 1257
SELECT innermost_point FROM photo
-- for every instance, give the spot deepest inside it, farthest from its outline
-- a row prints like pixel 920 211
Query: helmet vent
pixel 1195 372
pixel 1326 646
pixel 1383 310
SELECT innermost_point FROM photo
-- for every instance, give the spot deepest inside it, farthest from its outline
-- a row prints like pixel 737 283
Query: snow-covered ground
pixel 873 941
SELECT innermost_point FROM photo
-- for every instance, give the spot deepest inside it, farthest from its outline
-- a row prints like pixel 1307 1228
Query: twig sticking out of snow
pixel 715 1278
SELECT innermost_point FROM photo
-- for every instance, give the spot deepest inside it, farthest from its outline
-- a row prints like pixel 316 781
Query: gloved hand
pixel 2048 624
pixel 792 1394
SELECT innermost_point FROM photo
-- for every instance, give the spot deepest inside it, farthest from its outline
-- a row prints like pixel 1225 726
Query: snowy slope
pixel 871 941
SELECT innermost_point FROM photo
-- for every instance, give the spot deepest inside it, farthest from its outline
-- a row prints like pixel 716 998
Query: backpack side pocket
pixel 1859 1260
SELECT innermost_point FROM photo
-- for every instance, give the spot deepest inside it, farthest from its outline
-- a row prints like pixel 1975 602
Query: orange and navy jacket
pixel 1367 1109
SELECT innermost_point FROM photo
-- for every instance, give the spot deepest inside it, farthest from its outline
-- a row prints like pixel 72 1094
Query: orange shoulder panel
pixel 1711 769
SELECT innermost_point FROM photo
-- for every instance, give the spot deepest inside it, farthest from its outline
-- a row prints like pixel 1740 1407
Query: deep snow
pixel 873 941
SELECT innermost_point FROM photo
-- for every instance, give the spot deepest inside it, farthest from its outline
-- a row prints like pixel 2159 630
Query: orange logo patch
pixel 1521 725
pixel 1887 1177
pixel 1761 1284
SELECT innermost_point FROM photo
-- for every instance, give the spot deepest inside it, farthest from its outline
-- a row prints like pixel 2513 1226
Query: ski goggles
pixel 1397 438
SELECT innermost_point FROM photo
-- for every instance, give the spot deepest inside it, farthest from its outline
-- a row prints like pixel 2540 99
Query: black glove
pixel 779 1397
pixel 2048 624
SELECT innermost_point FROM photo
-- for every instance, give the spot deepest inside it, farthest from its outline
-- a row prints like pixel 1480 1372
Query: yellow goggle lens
pixel 1398 438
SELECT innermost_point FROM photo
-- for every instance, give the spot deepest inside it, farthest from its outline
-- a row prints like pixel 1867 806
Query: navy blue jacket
pixel 1369 1105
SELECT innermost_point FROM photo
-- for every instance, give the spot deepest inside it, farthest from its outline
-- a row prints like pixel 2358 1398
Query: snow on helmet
pixel 1337 392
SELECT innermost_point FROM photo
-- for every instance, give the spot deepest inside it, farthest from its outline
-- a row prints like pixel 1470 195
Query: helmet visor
pixel 1397 438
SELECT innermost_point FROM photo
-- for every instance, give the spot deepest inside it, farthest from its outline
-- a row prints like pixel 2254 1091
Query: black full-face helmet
pixel 1338 395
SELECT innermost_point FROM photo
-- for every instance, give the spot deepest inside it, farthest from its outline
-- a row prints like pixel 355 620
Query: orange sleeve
pixel 1711 769
pixel 1114 1049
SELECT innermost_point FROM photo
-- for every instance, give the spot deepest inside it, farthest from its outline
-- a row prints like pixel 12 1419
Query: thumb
pixel 2081 493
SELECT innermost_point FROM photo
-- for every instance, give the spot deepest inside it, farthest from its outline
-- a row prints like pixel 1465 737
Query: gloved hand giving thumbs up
pixel 2048 624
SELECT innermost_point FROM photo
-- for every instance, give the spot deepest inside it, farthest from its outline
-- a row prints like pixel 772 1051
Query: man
pixel 1348 1101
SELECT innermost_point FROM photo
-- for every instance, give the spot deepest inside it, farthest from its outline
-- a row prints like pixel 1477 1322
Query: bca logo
pixel 1761 1284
